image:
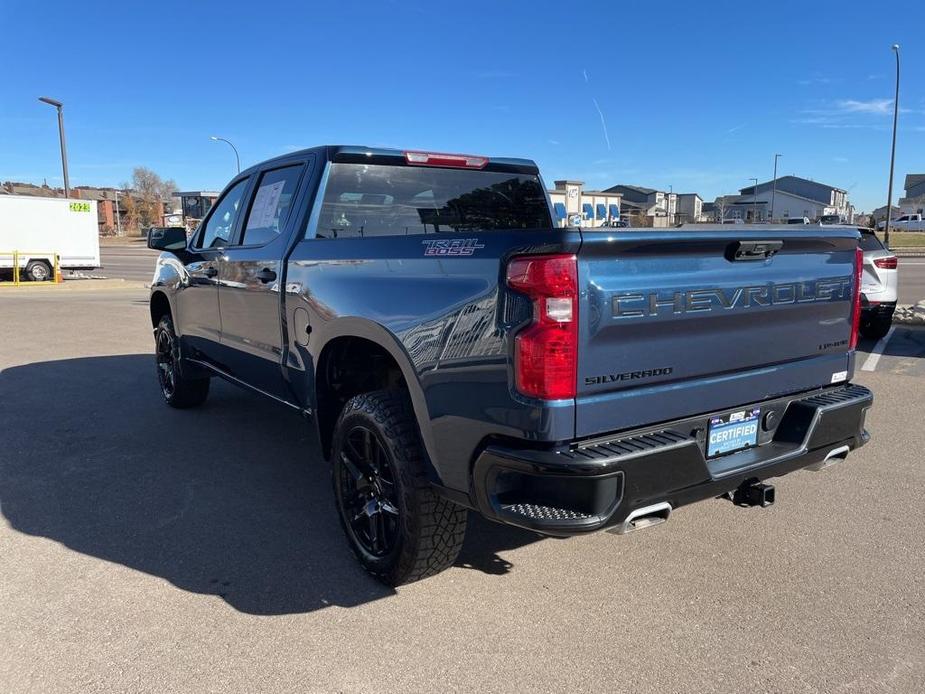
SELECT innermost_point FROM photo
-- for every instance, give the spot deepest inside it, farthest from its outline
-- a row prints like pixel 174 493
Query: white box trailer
pixel 39 228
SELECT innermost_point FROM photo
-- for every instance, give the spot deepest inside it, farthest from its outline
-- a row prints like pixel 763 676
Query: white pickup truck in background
pixel 905 222
pixel 36 229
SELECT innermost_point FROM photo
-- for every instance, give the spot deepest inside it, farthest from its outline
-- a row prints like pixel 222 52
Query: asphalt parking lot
pixel 146 549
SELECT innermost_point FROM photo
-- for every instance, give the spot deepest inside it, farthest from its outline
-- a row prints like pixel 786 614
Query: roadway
pixel 137 263
pixel 146 549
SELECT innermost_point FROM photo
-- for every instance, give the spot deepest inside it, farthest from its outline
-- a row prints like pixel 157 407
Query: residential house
pixel 914 201
pixel 708 212
pixel 690 208
pixel 879 214
pixel 658 206
pixel 790 196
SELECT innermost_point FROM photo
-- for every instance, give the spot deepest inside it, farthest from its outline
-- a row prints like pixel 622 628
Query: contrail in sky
pixel 599 112
pixel 603 122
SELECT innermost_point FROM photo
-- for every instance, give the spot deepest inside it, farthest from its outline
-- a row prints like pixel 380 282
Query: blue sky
pixel 694 95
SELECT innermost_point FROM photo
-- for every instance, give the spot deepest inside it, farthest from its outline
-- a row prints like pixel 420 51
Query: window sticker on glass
pixel 266 201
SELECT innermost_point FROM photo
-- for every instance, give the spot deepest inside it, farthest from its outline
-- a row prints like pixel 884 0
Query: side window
pixel 271 206
pixel 220 226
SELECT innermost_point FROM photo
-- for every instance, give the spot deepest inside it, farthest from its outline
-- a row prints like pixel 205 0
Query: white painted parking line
pixel 875 355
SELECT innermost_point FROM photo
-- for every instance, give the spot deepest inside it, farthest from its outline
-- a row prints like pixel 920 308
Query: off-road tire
pixel 876 328
pixel 179 390
pixel 430 528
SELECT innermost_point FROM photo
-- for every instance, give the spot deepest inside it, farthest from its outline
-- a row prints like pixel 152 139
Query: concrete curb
pixel 910 314
pixel 73 285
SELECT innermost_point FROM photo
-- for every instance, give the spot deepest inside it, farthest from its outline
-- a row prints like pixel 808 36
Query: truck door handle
pixel 753 250
pixel 266 275
pixel 210 271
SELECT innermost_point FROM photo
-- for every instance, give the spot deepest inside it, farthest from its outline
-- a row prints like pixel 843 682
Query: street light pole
pixel 774 186
pixel 236 157
pixel 118 214
pixel 889 195
pixel 58 105
pixel 754 201
pixel 670 194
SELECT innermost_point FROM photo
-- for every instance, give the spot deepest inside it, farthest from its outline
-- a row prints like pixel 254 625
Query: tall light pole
pixel 754 201
pixel 670 193
pixel 889 195
pixel 58 105
pixel 118 214
pixel 774 186
pixel 236 157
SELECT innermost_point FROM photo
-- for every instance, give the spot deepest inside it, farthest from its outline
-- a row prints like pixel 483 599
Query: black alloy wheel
pixel 400 529
pixel 166 357
pixel 367 494
pixel 180 390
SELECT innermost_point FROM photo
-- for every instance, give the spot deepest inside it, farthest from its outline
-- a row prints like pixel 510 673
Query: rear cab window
pixel 366 200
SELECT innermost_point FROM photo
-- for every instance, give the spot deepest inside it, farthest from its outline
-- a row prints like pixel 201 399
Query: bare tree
pixel 638 218
pixel 721 206
pixel 144 203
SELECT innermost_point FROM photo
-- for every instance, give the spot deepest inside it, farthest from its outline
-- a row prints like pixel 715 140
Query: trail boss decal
pixel 454 247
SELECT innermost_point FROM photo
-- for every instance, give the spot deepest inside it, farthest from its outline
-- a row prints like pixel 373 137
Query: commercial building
pixel 195 204
pixel 574 206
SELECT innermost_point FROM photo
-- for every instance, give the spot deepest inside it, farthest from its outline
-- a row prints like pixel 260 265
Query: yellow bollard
pixel 15 268
pixel 58 278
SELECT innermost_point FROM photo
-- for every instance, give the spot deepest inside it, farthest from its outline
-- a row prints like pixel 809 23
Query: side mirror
pixel 167 238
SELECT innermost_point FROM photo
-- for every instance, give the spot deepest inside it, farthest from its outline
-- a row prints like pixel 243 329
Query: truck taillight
pixel 888 263
pixel 546 352
pixel 456 161
pixel 856 306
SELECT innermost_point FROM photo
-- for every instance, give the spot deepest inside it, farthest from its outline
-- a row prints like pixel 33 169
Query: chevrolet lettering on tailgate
pixel 639 304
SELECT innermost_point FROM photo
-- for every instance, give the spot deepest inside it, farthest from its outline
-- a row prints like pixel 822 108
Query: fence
pixel 36 256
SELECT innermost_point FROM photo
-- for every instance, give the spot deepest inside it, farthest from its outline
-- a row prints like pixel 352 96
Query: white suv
pixel 878 286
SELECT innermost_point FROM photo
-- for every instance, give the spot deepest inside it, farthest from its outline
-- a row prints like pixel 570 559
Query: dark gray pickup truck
pixel 457 350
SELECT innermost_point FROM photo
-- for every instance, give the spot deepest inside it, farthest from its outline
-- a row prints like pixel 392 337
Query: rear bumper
pixel 877 309
pixel 589 485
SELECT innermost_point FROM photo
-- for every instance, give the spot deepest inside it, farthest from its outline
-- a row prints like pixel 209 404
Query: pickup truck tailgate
pixel 685 322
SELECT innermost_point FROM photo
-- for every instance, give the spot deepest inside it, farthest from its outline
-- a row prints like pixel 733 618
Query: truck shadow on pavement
pixel 232 499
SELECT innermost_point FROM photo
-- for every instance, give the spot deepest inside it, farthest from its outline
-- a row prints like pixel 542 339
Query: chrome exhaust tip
pixel 836 455
pixel 645 517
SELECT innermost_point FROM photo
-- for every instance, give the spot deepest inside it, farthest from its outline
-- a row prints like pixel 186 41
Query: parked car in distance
pixel 735 220
pixel 798 220
pixel 457 351
pixel 832 219
pixel 879 286
pixel 905 222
